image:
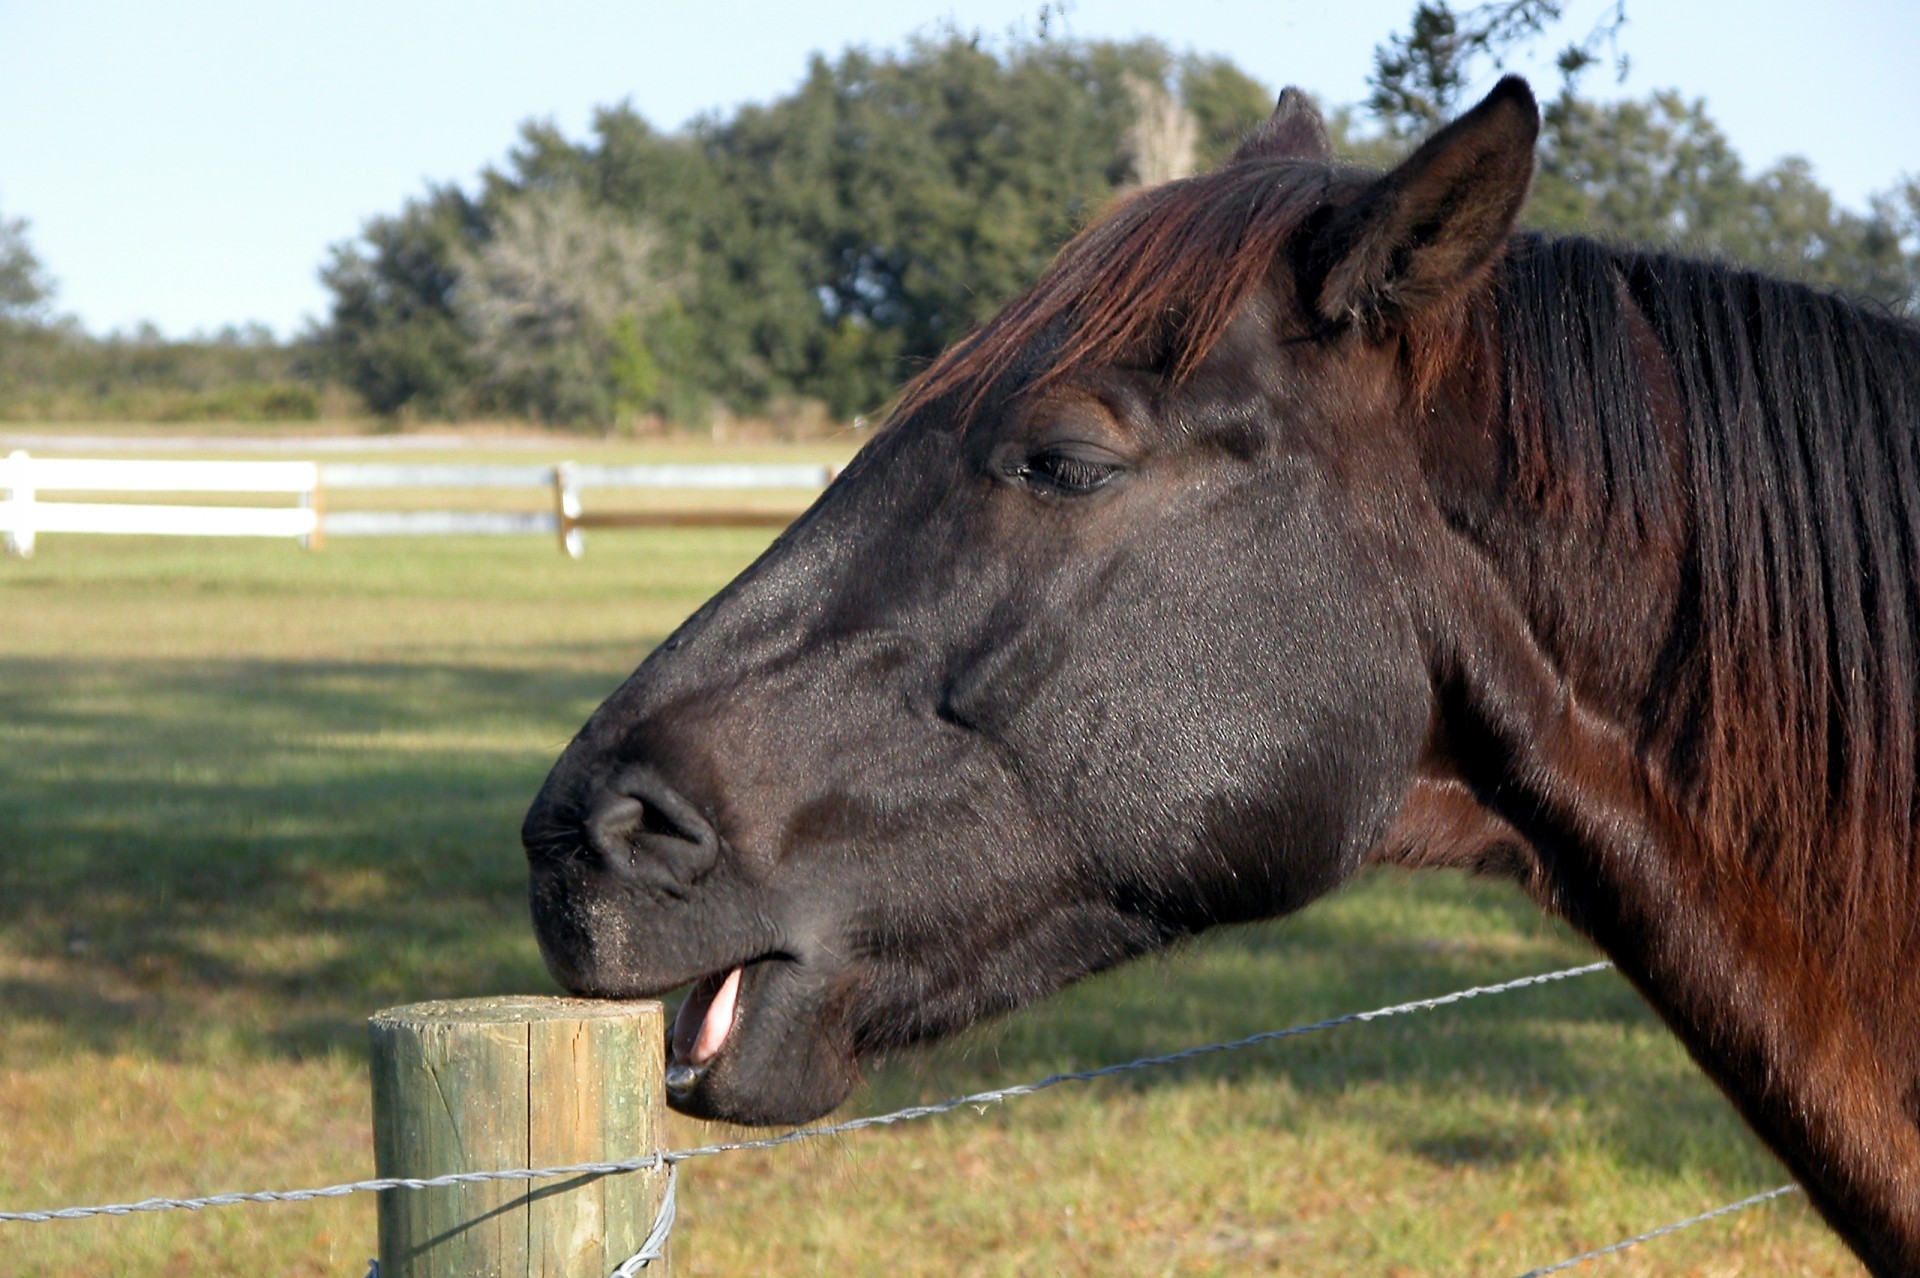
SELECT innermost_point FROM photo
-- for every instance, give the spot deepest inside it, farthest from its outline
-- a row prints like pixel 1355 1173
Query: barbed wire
pixel 671 1158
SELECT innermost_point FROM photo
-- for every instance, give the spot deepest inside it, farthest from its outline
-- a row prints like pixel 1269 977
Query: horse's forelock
pixel 1154 283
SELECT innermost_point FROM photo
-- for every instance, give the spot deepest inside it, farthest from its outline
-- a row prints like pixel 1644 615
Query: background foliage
pixel 817 250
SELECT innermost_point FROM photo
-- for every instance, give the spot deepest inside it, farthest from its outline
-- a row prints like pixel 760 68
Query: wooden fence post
pixel 315 499
pixel 566 509
pixel 495 1083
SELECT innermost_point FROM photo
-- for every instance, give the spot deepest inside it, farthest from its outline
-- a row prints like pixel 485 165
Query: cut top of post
pixel 518 1009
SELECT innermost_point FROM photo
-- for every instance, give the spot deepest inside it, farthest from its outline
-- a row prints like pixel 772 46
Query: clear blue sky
pixel 189 163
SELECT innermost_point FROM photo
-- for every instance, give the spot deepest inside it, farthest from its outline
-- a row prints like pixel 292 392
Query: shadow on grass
pixel 265 852
pixel 207 858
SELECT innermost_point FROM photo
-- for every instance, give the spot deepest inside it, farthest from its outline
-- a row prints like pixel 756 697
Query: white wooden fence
pixel 23 515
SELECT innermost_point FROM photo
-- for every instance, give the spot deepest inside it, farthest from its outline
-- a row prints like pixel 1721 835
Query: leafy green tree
pixel 825 245
pixel 633 375
pixel 681 354
pixel 1658 171
pixel 1661 172
pixel 393 336
pixel 1896 230
pixel 915 194
pixel 740 326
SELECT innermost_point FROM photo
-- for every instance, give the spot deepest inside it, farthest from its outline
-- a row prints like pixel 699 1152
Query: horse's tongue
pixel 706 1018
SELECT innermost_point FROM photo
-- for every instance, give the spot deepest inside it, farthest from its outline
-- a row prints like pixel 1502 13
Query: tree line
pixel 808 255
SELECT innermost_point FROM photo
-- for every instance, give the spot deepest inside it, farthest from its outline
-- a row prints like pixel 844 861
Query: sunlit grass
pixel 249 795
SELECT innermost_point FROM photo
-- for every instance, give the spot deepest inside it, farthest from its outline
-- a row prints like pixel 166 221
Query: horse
pixel 1302 518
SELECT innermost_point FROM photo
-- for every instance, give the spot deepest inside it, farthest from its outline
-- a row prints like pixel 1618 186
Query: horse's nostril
pixel 640 823
pixel 654 821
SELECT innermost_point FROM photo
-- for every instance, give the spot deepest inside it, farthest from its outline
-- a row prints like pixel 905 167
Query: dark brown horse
pixel 1303 518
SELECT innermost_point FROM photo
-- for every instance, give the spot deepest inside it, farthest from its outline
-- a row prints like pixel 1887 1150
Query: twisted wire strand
pixel 655 1244
pixel 670 1157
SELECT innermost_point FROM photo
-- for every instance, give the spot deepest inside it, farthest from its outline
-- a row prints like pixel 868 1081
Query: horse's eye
pixel 1062 472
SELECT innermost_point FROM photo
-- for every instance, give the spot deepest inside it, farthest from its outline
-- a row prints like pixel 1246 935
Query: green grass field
pixel 249 795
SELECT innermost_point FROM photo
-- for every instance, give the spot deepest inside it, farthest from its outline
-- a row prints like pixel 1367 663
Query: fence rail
pixel 24 514
pixel 125 475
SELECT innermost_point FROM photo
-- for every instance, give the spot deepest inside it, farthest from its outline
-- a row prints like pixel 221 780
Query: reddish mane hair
pixel 1788 706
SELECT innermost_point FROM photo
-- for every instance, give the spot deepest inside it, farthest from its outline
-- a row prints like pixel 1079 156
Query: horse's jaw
pixel 760 1038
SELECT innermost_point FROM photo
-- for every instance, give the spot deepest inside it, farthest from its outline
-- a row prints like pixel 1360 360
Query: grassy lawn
pixel 250 795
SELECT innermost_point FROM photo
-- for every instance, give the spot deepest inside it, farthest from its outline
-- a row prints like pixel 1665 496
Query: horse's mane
pixel 1795 650
pixel 1790 696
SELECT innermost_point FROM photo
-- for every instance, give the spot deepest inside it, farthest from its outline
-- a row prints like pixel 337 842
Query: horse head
pixel 1109 636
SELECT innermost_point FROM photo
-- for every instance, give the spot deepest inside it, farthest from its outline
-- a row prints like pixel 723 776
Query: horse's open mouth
pixel 702 1028
pixel 760 1043
pixel 739 1047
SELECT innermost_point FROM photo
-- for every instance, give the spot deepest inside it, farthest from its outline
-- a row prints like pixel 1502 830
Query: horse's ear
pixel 1294 131
pixel 1426 232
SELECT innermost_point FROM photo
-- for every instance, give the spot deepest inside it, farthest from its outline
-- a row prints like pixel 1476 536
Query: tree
pixel 828 244
pixel 554 300
pixel 1657 171
pixel 1660 172
pixel 1164 136
pixel 824 245
pixel 1225 102
pixel 393 336
pixel 915 194
pixel 1419 75
pixel 740 326
pixel 25 288
pixel 1896 229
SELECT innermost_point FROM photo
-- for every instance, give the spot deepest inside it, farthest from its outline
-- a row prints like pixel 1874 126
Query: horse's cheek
pixel 1240 740
pixel 1342 747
